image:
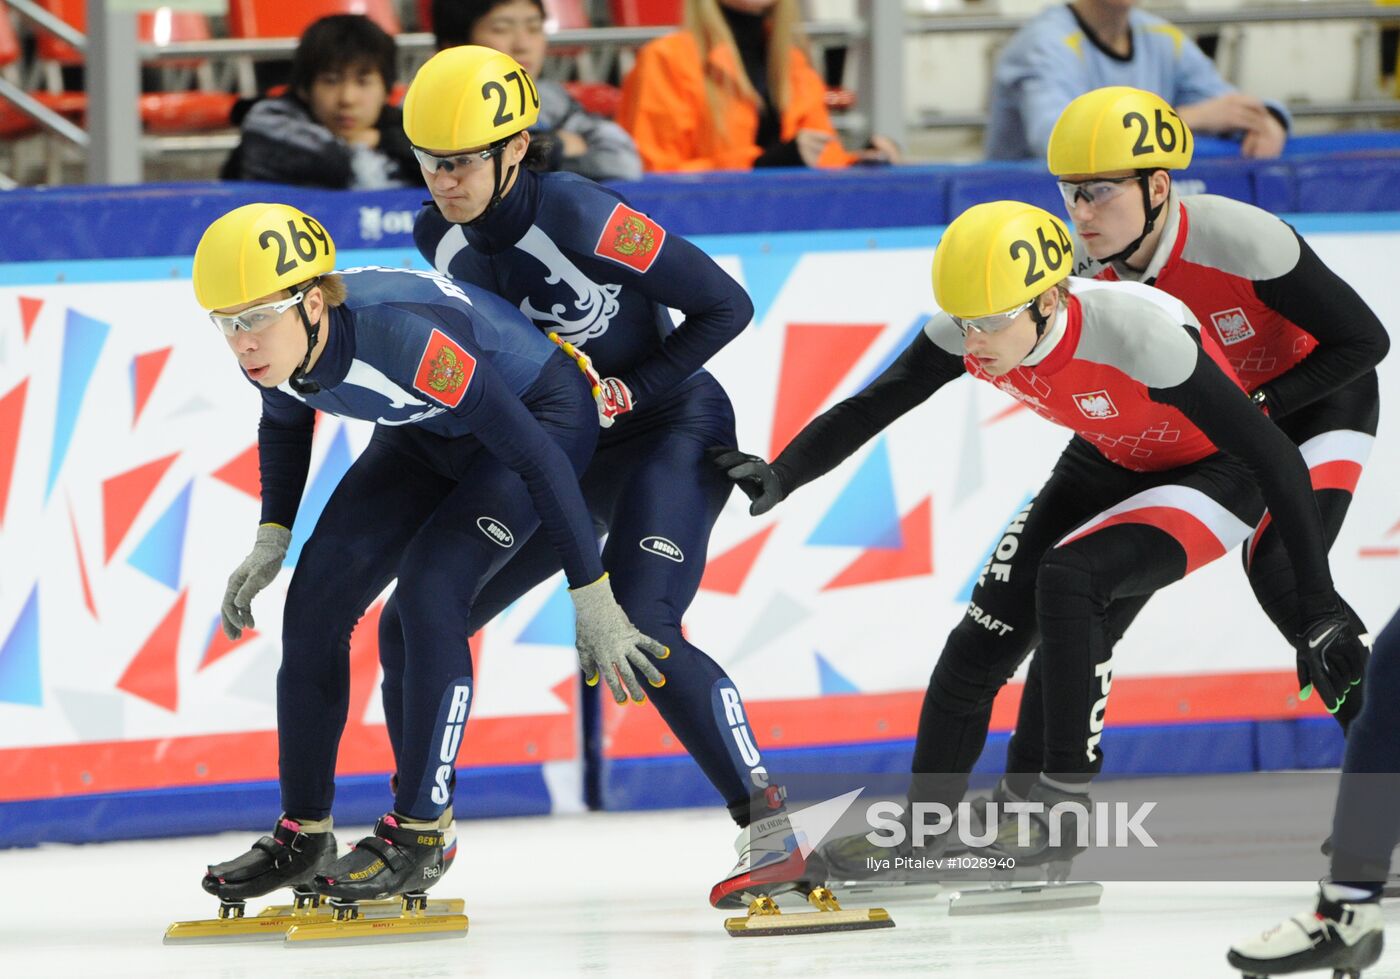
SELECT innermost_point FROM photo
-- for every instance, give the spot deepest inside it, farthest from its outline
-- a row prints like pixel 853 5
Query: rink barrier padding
pixel 508 790
pixel 67 223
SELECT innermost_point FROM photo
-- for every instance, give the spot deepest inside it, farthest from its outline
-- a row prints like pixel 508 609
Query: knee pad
pixel 974 665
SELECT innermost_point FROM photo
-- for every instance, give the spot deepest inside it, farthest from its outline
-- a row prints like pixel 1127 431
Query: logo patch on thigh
pixel 663 548
pixel 495 531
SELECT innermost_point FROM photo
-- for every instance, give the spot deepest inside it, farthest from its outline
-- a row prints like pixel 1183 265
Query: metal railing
pixel 114 146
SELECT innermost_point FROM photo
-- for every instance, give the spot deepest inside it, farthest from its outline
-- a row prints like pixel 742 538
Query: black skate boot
pixel 396 860
pixel 290 857
pixel 399 861
pixel 1342 936
pixel 1023 840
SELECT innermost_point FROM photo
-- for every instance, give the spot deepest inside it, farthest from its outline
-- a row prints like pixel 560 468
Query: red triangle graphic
pixel 123 497
pixel 28 313
pixel 242 473
pixel 11 420
pixel 221 645
pixel 816 356
pixel 725 573
pixel 914 559
pixel 567 690
pixel 82 564
pixel 1389 533
pixel 154 673
pixel 147 368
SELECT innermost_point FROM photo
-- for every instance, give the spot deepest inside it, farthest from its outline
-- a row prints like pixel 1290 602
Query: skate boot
pixel 290 857
pixel 856 864
pixel 401 860
pixel 1339 935
pixel 773 860
pixel 1023 840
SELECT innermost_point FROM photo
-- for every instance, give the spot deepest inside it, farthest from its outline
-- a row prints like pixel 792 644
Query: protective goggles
pixel 1093 192
pixel 255 319
pixel 992 323
pixel 464 161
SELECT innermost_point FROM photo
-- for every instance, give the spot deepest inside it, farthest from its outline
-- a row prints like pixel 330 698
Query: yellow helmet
pixel 256 250
pixel 995 257
pixel 1118 128
pixel 467 97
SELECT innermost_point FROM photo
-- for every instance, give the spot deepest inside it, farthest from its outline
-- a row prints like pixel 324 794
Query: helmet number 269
pixel 302 244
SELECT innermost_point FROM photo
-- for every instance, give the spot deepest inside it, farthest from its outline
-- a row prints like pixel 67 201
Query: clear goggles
pixel 1093 192
pixel 463 161
pixel 254 319
pixel 992 323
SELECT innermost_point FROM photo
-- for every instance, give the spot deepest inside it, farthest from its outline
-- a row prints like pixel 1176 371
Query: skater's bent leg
pixel 1366 826
pixel 350 557
pixel 655 556
pixel 1025 754
pixel 443 569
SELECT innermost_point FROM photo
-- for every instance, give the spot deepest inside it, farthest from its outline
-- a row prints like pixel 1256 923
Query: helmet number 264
pixel 1052 253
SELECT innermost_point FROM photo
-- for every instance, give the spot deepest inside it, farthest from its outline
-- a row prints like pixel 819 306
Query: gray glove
pixel 252 576
pixel 610 645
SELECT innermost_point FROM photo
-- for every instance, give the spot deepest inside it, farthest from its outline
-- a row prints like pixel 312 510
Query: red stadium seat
pixel 161 112
pixel 281 18
pixel 599 98
pixel 646 13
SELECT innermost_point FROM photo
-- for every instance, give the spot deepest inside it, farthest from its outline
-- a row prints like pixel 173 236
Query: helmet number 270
pixel 302 243
pixel 1052 253
pixel 498 91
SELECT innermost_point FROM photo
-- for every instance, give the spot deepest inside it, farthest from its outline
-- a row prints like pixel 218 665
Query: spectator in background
pixel 1071 49
pixel 580 142
pixel 733 90
pixel 334 126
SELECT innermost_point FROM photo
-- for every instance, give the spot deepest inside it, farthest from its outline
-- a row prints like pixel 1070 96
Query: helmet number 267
pixel 1167 134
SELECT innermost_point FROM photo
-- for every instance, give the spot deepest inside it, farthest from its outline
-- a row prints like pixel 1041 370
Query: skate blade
pixel 891 890
pixel 378 909
pixel 1038 897
pixel 217 931
pixel 413 926
pixel 764 918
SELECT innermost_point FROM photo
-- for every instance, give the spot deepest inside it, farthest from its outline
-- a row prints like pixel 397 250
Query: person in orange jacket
pixel 733 91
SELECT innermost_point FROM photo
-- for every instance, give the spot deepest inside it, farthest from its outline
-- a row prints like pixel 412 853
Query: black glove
pixel 1331 660
pixel 754 476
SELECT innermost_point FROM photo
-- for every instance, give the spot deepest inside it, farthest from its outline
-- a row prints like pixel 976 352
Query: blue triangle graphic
pixel 965 593
pixel 83 338
pixel 832 681
pixel 909 333
pixel 765 273
pixel 865 514
pixel 333 467
pixel 160 553
pixel 19 657
pixel 553 624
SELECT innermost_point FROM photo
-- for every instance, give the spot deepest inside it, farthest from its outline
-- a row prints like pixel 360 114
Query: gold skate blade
pixel 377 909
pixel 1025 897
pixel 214 931
pixel 808 922
pixel 764 917
pixel 413 926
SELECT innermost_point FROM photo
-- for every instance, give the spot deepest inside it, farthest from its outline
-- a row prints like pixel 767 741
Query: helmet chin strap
pixel 502 180
pixel 1042 324
pixel 313 333
pixel 1144 177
